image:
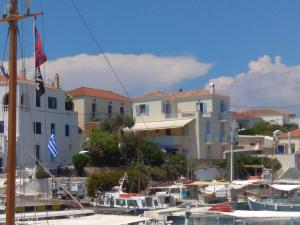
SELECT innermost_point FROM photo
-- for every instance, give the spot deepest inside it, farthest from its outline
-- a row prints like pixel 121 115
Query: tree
pixel 116 123
pixel 241 161
pixel 175 165
pixel 103 148
pixel 104 181
pixel 69 104
pixel 137 148
pixel 80 161
pixel 266 128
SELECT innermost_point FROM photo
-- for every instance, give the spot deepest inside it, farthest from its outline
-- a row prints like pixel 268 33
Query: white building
pixel 95 105
pixel 194 123
pixel 37 118
pixel 273 116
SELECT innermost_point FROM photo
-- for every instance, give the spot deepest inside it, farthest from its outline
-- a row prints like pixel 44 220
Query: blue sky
pixel 228 35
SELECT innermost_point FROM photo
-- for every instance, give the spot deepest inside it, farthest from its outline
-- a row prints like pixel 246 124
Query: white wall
pixel 27 140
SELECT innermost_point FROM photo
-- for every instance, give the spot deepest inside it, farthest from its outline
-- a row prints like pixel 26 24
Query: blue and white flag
pixel 3 71
pixel 52 146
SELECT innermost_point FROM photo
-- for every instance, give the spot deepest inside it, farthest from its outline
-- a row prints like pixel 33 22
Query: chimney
pixel 56 81
pixel 211 88
pixel 23 74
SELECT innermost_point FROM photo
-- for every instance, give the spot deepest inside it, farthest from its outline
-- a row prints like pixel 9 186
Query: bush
pixel 104 181
pixel 41 173
pixel 80 161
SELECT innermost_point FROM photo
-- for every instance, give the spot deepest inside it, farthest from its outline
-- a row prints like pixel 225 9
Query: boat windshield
pixel 132 203
pixel 149 202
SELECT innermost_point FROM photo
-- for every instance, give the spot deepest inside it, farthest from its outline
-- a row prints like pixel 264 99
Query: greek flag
pixel 52 146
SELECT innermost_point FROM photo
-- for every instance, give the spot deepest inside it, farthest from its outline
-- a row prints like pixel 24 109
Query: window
pixel 37 154
pixel 94 108
pixel 201 107
pixel 37 101
pixel 67 130
pixel 5 103
pixel 52 103
pixel 109 110
pixel 168 108
pixel 223 106
pixel 1 127
pixel 168 131
pixel 122 110
pixel 37 127
pixel 52 129
pixel 142 109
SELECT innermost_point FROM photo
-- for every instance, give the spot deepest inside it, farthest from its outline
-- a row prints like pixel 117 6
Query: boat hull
pixel 269 206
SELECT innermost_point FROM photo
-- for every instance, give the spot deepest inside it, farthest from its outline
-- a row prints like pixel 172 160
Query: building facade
pixel 244 120
pixel 95 105
pixel 273 116
pixel 194 123
pixel 37 119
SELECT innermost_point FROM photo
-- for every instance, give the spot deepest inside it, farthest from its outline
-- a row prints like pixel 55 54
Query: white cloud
pixel 266 83
pixel 139 73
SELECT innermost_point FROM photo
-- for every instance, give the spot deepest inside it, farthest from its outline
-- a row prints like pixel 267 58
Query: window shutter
pixel 147 109
pixel 137 109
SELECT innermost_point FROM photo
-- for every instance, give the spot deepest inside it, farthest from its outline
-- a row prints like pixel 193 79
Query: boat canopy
pixel 285 187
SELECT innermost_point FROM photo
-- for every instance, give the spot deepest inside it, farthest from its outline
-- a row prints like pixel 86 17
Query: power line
pixel 99 47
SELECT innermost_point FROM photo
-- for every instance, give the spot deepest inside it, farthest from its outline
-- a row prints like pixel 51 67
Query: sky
pixel 249 49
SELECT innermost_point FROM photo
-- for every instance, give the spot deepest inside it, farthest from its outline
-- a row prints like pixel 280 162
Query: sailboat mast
pixel 11 153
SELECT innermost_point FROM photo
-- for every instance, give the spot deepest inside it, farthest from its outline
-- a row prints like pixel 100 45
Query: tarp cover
pixel 285 187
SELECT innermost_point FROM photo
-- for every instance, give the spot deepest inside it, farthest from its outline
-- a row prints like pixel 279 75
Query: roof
pixel 178 94
pixel 98 93
pixel 166 124
pixel 293 134
pixel 268 112
pixel 21 79
pixel 243 116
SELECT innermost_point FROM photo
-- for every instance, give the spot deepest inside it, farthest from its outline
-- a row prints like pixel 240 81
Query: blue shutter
pixel 137 109
pixel 146 109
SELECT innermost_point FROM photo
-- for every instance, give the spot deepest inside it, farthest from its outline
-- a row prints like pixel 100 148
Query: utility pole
pixel 232 134
pixel 11 17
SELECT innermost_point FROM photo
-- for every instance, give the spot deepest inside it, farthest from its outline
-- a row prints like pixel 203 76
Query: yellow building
pixel 94 105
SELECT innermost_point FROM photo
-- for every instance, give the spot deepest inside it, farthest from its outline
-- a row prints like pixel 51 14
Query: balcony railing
pixel 223 140
pixel 208 138
pixel 5 108
pixel 223 116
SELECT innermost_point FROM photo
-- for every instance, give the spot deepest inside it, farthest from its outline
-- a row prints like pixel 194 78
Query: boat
pixel 130 202
pixel 286 198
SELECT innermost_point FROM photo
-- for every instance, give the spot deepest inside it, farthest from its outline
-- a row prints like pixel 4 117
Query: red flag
pixel 40 57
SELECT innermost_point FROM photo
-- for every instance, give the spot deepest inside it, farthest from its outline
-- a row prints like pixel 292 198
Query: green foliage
pixel 265 128
pixel 80 161
pixel 137 177
pixel 104 181
pixel 116 123
pixel 69 104
pixel 133 147
pixel 175 166
pixel 41 173
pixel 239 162
pixel 103 148
pixel 152 154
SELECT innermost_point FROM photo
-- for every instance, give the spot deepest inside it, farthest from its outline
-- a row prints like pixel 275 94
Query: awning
pixel 168 148
pixel 285 187
pixel 158 125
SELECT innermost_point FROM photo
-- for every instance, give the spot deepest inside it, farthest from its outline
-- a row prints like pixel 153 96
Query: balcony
pixel 179 115
pixel 5 108
pixel 223 116
pixel 224 140
pixel 208 138
pixel 95 116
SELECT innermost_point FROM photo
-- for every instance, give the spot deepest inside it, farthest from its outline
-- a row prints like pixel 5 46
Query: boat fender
pixel 275 206
pixel 292 206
